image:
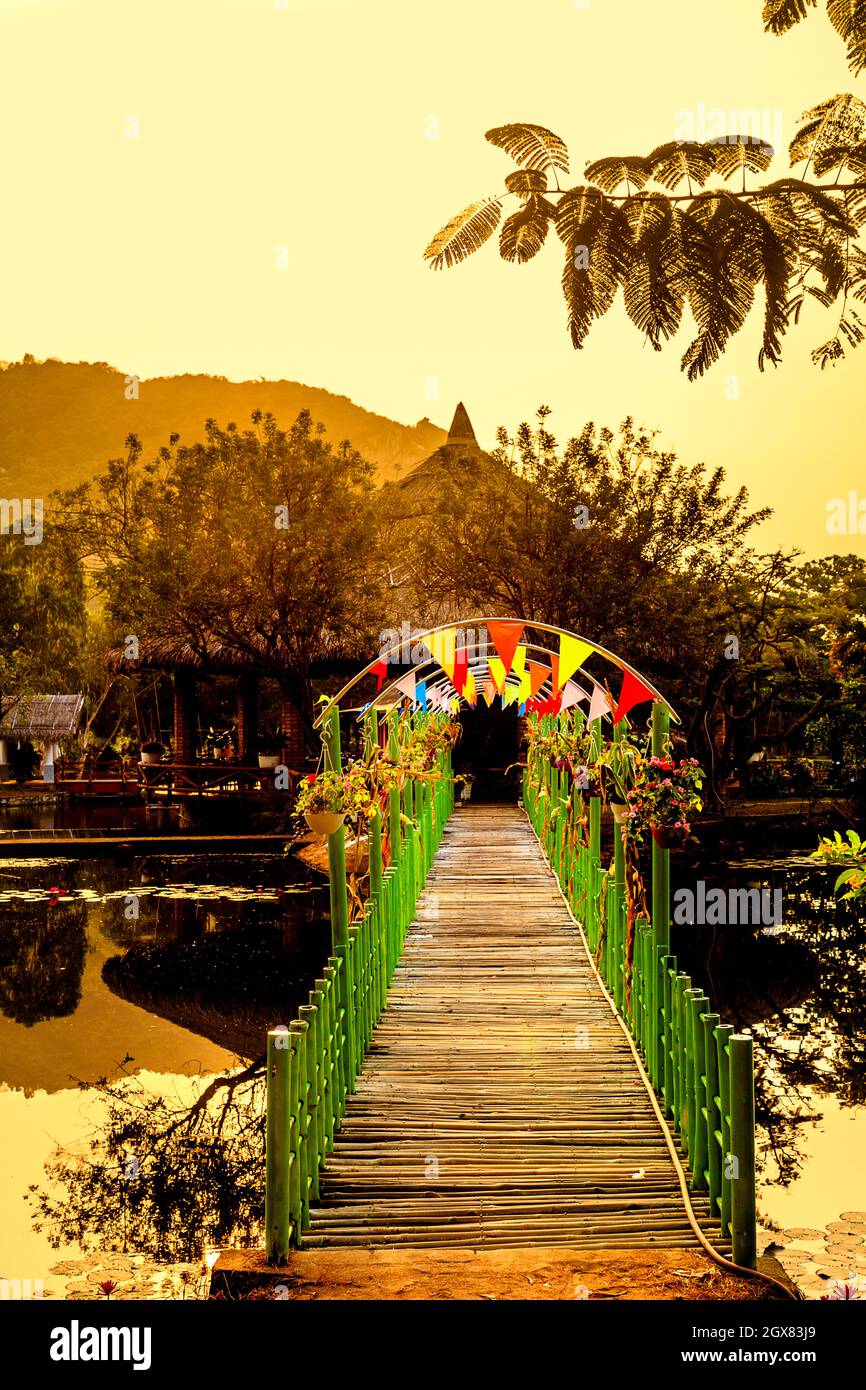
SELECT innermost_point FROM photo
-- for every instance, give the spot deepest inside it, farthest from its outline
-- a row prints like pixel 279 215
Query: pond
pixel 179 964
pixel 799 985
pixel 182 962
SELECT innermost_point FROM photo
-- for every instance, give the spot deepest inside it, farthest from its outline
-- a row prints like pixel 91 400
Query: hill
pixel 61 421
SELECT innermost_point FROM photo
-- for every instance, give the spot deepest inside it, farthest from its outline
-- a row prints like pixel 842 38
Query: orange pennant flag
pixel 537 676
pixel 506 639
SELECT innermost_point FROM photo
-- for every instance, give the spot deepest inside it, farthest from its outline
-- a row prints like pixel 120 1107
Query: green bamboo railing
pixel 701 1070
pixel 312 1064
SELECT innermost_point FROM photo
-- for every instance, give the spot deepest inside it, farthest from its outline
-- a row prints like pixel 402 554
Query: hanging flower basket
pixel 668 836
pixel 151 753
pixel 269 760
pixel 324 822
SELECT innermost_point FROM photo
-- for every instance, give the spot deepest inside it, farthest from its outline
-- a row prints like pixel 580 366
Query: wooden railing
pixel 701 1069
pixel 312 1064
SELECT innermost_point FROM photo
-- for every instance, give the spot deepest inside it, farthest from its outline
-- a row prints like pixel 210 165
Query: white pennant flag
pixel 599 704
pixel 407 685
pixel 572 694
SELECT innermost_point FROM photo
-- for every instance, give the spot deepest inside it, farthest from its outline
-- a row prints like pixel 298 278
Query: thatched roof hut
pixel 41 718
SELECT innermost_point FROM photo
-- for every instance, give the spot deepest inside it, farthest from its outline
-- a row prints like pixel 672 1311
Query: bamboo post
pixel 714 1149
pixel 594 864
pixel 698 1147
pixel 336 841
pixel 278 1147
pixel 723 1036
pixel 299 1031
pixel 669 970
pixel 661 858
pixel 742 1149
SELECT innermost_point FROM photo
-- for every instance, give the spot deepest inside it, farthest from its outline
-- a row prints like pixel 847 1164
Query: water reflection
pixel 799 986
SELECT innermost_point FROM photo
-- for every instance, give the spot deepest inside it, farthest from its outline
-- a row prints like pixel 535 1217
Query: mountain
pixel 61 421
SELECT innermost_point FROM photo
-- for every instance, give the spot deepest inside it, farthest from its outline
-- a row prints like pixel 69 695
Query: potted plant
pixel 322 802
pixel 666 793
pixel 151 752
pixel 269 752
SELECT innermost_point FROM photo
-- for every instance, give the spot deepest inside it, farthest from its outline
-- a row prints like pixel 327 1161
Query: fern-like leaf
pixel 737 153
pixel 782 15
pixel 532 146
pixel 464 233
pixel 654 286
pixel 524 232
pixel 526 181
pixel 848 18
pixel 682 161
pixel 837 121
pixel 598 248
pixel 609 174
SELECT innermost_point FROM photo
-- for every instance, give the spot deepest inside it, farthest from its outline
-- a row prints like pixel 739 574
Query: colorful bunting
pixel 442 648
pixel 518 665
pixel 421 694
pixel 633 693
pixel 406 685
pixel 537 676
pixel 572 653
pixel 600 703
pixel 489 692
pixel 506 639
pixel 380 671
pixel 497 672
pixel 571 695
pixel 461 669
pixel 470 690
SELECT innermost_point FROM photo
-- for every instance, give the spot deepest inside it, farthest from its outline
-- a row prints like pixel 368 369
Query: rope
pixel 681 1174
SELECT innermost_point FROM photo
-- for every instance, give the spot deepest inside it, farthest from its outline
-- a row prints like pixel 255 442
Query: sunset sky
pixel 307 125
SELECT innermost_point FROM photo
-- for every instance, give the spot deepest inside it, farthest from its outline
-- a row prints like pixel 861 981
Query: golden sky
pixel 158 156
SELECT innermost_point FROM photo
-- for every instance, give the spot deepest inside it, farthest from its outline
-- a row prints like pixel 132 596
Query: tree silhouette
pixel 669 229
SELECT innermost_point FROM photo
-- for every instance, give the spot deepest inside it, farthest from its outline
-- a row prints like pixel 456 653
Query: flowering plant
pixel 851 854
pixel 321 791
pixel 665 795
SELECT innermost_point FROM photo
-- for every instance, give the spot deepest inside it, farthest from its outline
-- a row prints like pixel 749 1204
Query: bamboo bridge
pixel 497 1054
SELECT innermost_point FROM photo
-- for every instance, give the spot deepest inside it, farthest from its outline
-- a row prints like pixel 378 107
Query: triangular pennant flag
pixel 537 676
pixel 489 692
pixel 506 639
pixel 380 671
pixel 572 652
pixel 599 704
pixel 633 693
pixel 470 690
pixel 455 703
pixel 521 710
pixel 571 695
pixel 406 685
pixel 461 669
pixel 525 686
pixel 509 694
pixel 441 646
pixel 518 665
pixel 554 671
pixel 421 694
pixel 497 672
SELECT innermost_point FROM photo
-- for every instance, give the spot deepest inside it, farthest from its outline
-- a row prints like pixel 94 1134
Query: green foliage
pixel 665 228
pixel 851 852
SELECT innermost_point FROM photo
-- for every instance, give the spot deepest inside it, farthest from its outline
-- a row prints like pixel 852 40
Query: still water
pixel 181 963
pixel 176 965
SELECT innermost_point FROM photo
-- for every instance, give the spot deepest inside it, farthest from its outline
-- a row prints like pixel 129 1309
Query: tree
pixel 258 543
pixel 42 615
pixel 669 231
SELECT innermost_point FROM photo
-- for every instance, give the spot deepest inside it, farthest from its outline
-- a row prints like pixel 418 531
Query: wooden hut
pixel 47 721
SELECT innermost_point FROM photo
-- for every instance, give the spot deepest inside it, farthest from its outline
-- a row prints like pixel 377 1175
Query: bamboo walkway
pixel 500 1104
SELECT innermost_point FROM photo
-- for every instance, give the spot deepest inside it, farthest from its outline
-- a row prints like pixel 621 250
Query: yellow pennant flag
pixel 470 691
pixel 525 692
pixel 572 652
pixel 518 665
pixel 497 672
pixel 509 694
pixel 442 647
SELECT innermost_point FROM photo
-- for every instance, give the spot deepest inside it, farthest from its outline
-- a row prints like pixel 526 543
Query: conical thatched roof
pixel 461 450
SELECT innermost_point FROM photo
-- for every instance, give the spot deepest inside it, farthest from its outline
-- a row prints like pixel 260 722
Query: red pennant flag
pixel 554 671
pixel 380 671
pixel 633 693
pixel 506 639
pixel 461 669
